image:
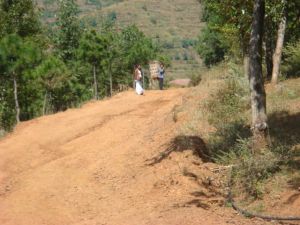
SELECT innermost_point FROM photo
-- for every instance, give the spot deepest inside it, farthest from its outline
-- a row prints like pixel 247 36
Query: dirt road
pixel 92 166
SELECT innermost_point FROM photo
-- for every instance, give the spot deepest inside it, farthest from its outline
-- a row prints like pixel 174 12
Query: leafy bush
pixel 211 47
pixel 188 42
pixel 291 64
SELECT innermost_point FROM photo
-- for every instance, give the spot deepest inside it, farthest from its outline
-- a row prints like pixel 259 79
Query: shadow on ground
pixel 180 144
pixel 285 131
pixel 285 128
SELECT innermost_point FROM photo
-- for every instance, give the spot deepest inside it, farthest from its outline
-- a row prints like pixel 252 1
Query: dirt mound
pixel 114 162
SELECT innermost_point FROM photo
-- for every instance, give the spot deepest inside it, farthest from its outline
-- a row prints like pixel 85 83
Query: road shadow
pixel 180 144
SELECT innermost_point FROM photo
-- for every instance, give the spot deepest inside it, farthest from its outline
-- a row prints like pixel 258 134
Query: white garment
pixel 138 87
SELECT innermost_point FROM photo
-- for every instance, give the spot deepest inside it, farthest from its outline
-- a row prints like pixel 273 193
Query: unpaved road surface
pixel 92 166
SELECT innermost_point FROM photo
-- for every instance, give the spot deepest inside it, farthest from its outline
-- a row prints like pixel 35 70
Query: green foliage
pixel 229 23
pixel 166 60
pixel 56 81
pixel 91 47
pixel 211 47
pixel 20 17
pixel 17 58
pixel 69 31
pixel 138 48
pixel 291 64
pixel 188 43
pixel 53 77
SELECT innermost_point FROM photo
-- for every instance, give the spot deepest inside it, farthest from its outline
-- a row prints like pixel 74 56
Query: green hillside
pixel 174 24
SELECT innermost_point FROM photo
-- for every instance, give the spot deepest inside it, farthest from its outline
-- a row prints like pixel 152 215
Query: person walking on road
pixel 161 76
pixel 137 79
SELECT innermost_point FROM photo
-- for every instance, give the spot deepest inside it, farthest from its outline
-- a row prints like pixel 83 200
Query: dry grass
pixel 281 165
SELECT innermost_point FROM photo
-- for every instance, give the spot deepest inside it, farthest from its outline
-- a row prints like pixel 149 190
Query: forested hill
pixel 174 24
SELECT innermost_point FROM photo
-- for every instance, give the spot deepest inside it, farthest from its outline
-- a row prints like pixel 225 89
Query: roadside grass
pixel 227 135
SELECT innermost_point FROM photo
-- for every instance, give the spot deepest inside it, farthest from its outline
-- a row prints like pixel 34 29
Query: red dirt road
pixel 90 166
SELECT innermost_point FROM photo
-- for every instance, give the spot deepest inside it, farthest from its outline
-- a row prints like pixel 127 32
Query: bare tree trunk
pixel 278 51
pixel 258 94
pixel 45 103
pixel 110 81
pixel 16 100
pixel 269 53
pixel 95 83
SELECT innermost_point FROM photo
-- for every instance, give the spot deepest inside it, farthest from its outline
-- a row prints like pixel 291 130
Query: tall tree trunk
pixel 269 53
pixel 110 80
pixel 17 107
pixel 258 94
pixel 95 83
pixel 278 51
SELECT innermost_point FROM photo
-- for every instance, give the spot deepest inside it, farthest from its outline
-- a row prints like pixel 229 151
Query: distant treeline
pixel 45 70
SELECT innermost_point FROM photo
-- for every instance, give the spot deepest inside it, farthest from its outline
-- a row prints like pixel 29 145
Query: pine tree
pixel 69 31
pixel 20 17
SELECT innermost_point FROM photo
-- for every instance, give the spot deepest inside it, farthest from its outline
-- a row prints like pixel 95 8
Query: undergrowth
pixel 223 122
pixel 229 112
pixel 227 109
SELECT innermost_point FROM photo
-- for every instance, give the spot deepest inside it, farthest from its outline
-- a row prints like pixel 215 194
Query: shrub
pixel 195 79
pixel 187 43
pixel 211 47
pixel 251 170
pixel 291 64
pixel 226 113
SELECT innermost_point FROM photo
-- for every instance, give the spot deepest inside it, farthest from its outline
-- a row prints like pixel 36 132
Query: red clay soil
pixel 103 165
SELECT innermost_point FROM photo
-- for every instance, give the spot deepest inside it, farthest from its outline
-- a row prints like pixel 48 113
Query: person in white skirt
pixel 137 78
